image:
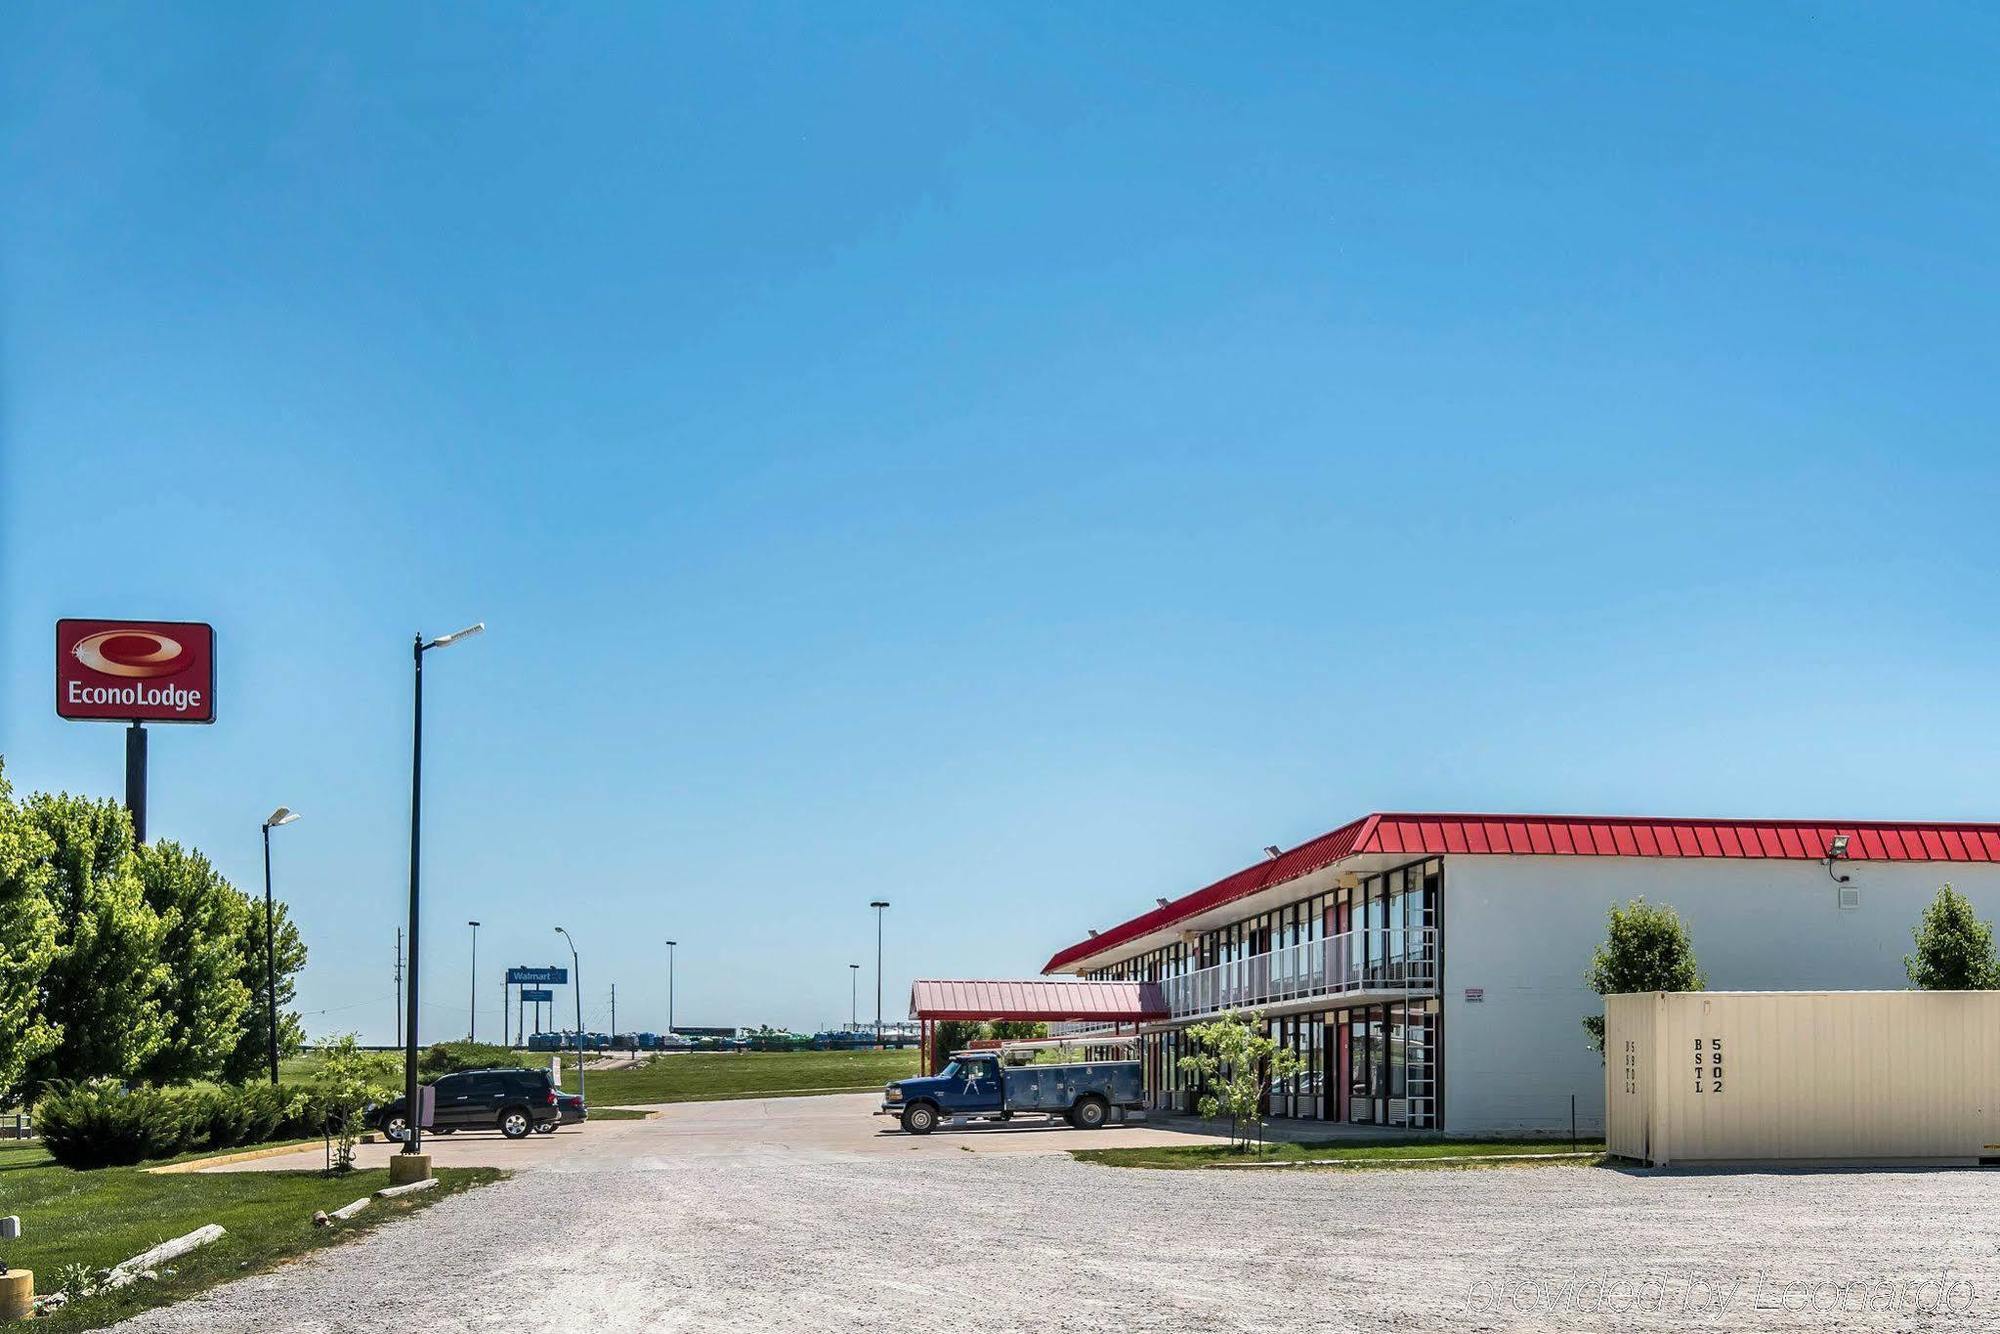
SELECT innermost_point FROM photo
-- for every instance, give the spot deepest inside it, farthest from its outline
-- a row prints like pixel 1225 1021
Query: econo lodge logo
pixel 129 653
pixel 138 671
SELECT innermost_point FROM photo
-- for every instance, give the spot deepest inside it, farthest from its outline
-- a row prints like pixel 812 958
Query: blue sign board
pixel 538 976
pixel 538 995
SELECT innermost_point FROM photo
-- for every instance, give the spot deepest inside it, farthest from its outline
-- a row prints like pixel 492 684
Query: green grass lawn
pixel 101 1217
pixel 1378 1152
pixel 616 1113
pixel 707 1076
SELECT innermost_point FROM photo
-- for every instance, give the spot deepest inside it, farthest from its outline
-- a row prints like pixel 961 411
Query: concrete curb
pixel 1404 1162
pixel 248 1155
pixel 391 1192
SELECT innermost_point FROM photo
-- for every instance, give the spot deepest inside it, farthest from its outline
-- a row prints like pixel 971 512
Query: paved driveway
pixel 840 1123
pixel 774 1216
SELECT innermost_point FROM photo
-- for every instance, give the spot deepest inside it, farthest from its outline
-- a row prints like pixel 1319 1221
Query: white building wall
pixel 1523 928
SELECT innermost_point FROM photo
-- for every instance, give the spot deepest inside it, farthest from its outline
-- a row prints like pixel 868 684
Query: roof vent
pixel 1271 849
pixel 1161 902
pixel 1093 933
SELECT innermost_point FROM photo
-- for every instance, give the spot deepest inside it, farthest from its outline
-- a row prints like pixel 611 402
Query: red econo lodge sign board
pixel 136 671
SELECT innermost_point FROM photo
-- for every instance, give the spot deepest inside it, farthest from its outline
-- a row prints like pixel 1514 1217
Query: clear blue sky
pixel 1011 460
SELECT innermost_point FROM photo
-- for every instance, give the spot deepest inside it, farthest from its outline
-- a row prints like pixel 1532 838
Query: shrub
pixel 1954 948
pixel 448 1058
pixel 1647 948
pixel 101 1124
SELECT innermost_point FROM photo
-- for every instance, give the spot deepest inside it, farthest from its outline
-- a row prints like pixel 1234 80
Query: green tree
pixel 1954 948
pixel 1647 949
pixel 202 921
pixel 251 1058
pixel 346 1080
pixel 949 1036
pixel 1235 1062
pixel 1018 1030
pixel 28 934
pixel 103 987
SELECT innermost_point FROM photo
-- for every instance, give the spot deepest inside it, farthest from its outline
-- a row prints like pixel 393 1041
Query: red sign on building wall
pixel 136 671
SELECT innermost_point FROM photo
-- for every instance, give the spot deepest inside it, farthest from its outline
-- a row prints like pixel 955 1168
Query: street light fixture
pixel 412 1106
pixel 878 905
pixel 670 987
pixel 282 816
pixel 576 985
pixel 472 1021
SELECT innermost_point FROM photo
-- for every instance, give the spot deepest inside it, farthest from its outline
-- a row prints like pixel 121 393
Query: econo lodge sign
pixel 136 671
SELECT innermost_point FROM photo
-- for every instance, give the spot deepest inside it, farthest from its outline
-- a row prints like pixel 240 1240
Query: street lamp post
pixel 283 815
pixel 576 984
pixel 412 1105
pixel 472 1019
pixel 670 987
pixel 853 991
pixel 878 905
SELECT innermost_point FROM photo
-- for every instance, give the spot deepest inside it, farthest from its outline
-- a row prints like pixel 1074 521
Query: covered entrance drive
pixel 1077 1011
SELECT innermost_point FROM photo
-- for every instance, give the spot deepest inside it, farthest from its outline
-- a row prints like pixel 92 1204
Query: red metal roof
pixel 1564 836
pixel 1037 999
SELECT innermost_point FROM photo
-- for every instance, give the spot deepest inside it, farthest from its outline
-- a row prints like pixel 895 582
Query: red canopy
pixel 1040 999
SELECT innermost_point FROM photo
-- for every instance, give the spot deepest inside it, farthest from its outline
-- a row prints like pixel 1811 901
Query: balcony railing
pixel 1339 965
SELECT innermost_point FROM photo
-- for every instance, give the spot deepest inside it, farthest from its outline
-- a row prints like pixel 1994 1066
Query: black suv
pixel 513 1102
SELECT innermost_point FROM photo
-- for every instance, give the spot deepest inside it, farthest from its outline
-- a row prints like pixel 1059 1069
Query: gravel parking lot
pixel 657 1230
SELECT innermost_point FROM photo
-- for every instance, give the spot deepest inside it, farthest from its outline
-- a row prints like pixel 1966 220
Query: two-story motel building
pixel 1428 969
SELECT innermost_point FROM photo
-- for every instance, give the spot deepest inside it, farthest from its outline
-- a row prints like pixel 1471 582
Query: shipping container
pixel 1803 1077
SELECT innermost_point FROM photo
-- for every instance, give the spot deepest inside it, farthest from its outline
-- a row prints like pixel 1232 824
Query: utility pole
pixel 670 986
pixel 878 905
pixel 399 986
pixel 614 1014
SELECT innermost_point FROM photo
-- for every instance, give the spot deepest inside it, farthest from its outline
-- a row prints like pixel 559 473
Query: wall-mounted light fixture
pixel 1270 849
pixel 1836 851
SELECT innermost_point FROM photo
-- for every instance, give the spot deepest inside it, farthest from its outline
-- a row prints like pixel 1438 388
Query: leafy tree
pixel 28 931
pixel 251 1057
pixel 1647 949
pixel 1235 1062
pixel 103 986
pixel 202 920
pixel 1954 948
pixel 951 1035
pixel 1017 1030
pixel 346 1080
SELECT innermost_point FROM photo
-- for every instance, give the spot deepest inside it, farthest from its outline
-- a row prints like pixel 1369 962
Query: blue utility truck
pixel 979 1086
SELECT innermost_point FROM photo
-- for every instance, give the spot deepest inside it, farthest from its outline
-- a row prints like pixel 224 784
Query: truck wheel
pixel 920 1119
pixel 1089 1114
pixel 514 1123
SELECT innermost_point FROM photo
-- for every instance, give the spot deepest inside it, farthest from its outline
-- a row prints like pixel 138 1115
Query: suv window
pixel 527 1081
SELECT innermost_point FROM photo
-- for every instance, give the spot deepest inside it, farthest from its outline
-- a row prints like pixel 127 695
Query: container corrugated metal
pixel 1803 1076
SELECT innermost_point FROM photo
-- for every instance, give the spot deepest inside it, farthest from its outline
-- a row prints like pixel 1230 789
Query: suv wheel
pixel 920 1119
pixel 395 1127
pixel 514 1123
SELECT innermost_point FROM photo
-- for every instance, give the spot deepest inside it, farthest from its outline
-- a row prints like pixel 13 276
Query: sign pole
pixel 135 778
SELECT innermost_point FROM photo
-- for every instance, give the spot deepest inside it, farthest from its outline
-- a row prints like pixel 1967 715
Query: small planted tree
pixel 1647 948
pixel 346 1080
pixel 1954 948
pixel 1234 1062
